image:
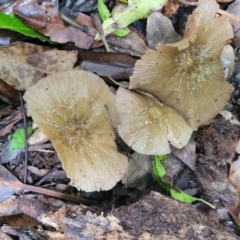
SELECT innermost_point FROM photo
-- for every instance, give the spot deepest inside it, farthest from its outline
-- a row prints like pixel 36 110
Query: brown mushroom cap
pixel 69 108
pixel 188 75
pixel 147 125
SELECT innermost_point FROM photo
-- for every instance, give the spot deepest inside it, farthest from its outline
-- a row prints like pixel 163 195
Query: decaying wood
pixel 153 217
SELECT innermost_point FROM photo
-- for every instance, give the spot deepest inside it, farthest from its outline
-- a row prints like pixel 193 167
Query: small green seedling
pixel 13 23
pixel 105 14
pixel 179 195
pixel 18 139
pixel 15 145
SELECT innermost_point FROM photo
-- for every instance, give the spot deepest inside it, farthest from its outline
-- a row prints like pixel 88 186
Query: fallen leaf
pixel 46 20
pixel 8 122
pixel 234 9
pixel 139 171
pixel 9 92
pixel 13 23
pixel 110 70
pixel 160 30
pixel 159 173
pixel 187 154
pixel 23 64
pixel 8 6
pixel 130 44
pixel 52 61
pixel 14 70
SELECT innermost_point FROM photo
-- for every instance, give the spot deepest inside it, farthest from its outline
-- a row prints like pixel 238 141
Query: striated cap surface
pixel 70 109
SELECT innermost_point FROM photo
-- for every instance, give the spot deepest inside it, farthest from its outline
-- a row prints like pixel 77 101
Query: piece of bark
pixel 152 217
pixel 166 218
pixel 215 184
pixel 217 141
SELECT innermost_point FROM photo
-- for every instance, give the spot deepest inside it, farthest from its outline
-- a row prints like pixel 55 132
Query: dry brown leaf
pixel 110 70
pixel 53 60
pixel 17 63
pixel 46 20
pixel 113 65
pixel 130 44
pixel 139 171
pixel 160 30
pixel 9 121
pixel 187 154
pixel 234 9
pixel 9 92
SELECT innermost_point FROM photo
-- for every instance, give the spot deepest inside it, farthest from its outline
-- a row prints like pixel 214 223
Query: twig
pixel 26 137
pixel 47 175
pixel 229 15
pixel 97 22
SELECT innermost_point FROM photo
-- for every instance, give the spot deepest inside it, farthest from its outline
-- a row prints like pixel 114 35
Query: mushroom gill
pixel 70 109
pixel 188 75
pixel 147 125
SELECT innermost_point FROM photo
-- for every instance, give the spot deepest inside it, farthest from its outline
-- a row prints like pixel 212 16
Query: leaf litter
pixel 207 155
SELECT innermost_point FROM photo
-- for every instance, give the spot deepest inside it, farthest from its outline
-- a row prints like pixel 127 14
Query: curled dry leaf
pixel 130 44
pixel 139 171
pixel 52 61
pixel 188 75
pixel 14 69
pixel 70 109
pixel 46 20
pixel 9 121
pixel 160 30
pixel 23 64
pixel 147 125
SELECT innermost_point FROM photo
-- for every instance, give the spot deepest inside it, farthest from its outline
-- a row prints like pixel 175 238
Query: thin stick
pixel 26 138
pixel 229 15
pixel 219 11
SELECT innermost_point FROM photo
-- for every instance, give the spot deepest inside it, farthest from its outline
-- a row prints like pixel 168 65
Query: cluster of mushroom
pixel 188 88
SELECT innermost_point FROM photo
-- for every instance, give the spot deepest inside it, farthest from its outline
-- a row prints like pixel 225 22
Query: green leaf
pixel 136 10
pixel 13 23
pixel 121 32
pixel 184 197
pixel 18 139
pixel 160 172
pixel 103 10
pixel 159 168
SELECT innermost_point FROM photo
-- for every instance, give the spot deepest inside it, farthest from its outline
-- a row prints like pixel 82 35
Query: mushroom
pixel 147 125
pixel 70 109
pixel 188 75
